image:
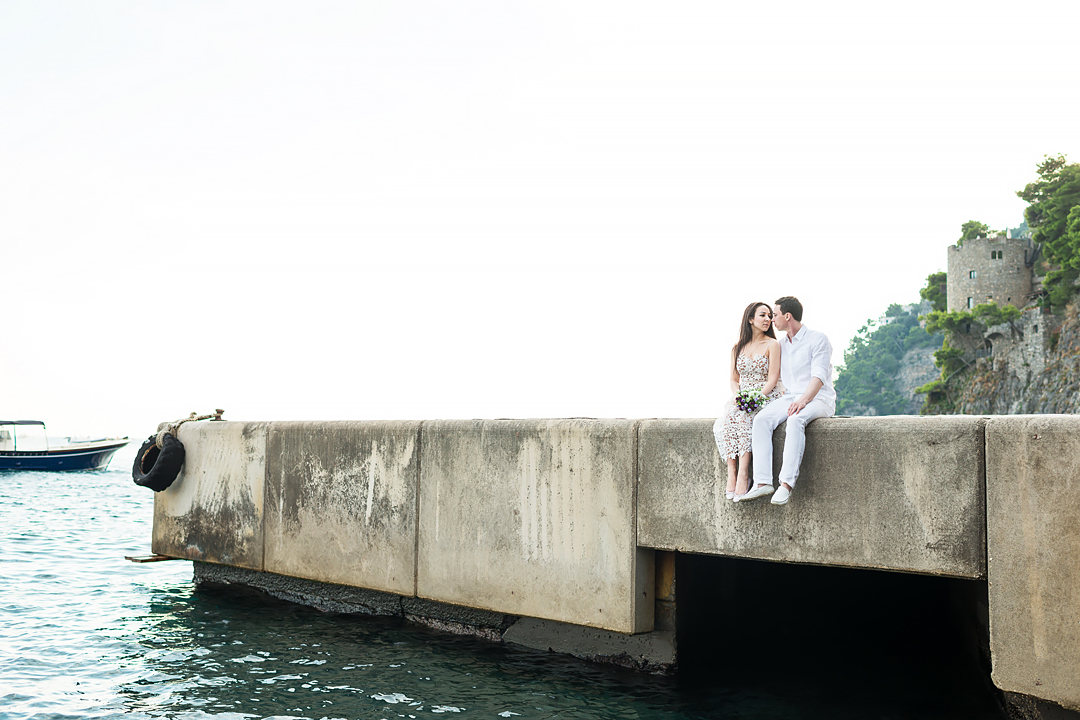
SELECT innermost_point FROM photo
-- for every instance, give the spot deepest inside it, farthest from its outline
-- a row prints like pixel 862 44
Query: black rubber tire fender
pixel 155 467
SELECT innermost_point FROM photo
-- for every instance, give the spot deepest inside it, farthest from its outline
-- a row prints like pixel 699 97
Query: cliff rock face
pixel 1031 366
pixel 916 369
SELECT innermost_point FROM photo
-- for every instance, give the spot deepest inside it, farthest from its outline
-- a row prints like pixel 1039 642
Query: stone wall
pixel 1033 554
pixel 892 492
pixel 341 503
pixel 1005 280
pixel 214 510
pixel 533 518
pixel 1034 367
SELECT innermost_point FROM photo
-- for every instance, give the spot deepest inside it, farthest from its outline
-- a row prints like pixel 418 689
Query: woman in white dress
pixel 755 372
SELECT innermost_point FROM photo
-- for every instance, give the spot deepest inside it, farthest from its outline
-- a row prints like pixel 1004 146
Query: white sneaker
pixel 755 492
pixel 782 496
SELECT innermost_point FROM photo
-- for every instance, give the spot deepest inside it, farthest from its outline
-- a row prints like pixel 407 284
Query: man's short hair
pixel 791 305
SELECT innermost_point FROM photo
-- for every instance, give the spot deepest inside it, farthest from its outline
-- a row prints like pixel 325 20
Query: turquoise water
pixel 87 634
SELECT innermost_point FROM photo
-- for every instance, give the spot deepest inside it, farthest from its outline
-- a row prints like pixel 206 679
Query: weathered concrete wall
pixel 526 517
pixel 534 517
pixel 341 503
pixel 213 511
pixel 1033 548
pixel 895 493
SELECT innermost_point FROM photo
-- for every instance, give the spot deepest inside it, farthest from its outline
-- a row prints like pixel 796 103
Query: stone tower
pixel 989 270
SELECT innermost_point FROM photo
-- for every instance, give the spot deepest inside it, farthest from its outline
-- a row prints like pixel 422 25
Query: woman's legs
pixel 719 428
pixel 743 478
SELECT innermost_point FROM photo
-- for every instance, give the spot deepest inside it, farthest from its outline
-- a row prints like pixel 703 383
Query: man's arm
pixel 812 388
pixel 820 370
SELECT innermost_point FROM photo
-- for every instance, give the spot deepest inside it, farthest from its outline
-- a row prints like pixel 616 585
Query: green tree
pixel 936 291
pixel 972 229
pixel 991 314
pixel 943 321
pixel 961 328
pixel 873 360
pixel 1052 200
pixel 971 321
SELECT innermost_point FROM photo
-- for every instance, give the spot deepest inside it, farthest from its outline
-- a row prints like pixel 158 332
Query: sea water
pixel 85 633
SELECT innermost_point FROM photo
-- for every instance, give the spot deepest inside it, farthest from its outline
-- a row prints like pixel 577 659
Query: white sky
pixel 364 210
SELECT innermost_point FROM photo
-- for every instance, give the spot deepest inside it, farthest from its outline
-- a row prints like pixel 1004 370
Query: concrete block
pixel 652 652
pixel 341 503
pixel 321 596
pixel 213 511
pixel 1033 549
pixel 895 493
pixel 536 518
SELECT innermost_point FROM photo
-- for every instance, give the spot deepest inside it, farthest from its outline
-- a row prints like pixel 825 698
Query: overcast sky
pixel 379 210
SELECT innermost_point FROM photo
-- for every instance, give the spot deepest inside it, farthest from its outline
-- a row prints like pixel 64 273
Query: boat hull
pixel 94 457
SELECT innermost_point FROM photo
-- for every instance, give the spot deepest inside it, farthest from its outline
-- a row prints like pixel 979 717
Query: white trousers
pixel 767 420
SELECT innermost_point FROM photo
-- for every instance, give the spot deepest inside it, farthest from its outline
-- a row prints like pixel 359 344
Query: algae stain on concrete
pixel 529 524
pixel 375 470
pixel 1035 580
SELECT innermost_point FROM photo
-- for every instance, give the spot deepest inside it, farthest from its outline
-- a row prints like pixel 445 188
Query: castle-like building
pixel 994 269
pixel 1001 270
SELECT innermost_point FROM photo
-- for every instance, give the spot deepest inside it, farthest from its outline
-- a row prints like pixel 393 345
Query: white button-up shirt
pixel 806 355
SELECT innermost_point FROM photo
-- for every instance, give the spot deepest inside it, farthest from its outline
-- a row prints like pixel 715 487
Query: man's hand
pixel 807 397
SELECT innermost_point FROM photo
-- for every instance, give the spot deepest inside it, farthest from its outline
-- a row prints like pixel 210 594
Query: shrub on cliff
pixel 1053 214
pixel 936 291
pixel 963 331
pixel 972 229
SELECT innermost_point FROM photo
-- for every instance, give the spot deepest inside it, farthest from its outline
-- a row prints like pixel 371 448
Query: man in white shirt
pixel 806 372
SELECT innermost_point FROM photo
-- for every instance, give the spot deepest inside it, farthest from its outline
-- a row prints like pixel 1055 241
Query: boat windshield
pixel 23 435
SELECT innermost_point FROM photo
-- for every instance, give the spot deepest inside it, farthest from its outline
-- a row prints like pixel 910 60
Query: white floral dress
pixel 733 429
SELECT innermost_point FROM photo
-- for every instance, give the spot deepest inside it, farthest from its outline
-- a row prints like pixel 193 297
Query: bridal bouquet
pixel 750 400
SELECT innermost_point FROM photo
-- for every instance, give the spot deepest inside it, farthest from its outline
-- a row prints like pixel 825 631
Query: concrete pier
pixel 567 529
pixel 1033 554
pixel 888 493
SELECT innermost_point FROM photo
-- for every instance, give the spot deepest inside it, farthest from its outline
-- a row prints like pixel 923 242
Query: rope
pixel 194 417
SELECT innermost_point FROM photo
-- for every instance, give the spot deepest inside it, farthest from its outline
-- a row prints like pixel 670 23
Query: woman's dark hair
pixel 791 305
pixel 746 333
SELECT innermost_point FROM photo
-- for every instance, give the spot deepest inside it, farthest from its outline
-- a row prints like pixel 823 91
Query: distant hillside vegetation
pixel 886 361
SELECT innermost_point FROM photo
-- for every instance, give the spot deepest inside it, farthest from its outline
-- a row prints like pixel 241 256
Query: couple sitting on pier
pixel 774 381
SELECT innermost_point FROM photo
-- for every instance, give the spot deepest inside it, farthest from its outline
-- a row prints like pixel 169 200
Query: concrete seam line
pixel 416 512
pixel 635 475
pixel 635 470
pixel 265 490
pixel 981 429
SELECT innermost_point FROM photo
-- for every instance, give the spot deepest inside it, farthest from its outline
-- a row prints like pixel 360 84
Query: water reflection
pixel 231 651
